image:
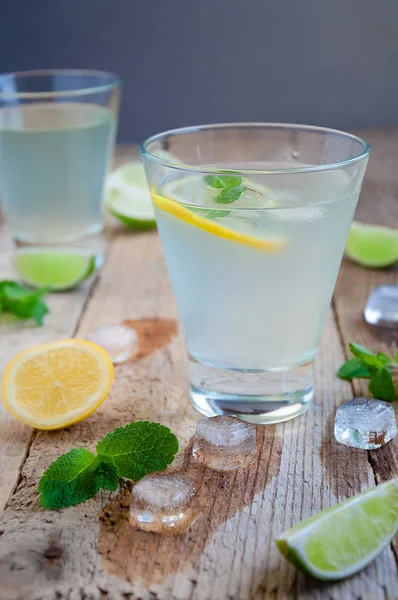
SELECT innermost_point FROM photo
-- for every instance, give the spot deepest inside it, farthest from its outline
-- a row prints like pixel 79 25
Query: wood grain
pixel 90 552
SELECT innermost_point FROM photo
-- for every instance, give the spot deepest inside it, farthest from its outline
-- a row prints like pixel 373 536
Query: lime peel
pixel 372 245
pixel 343 539
pixel 54 269
pixel 128 197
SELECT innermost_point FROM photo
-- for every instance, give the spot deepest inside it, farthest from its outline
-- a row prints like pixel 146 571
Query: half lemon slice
pixel 194 219
pixel 55 385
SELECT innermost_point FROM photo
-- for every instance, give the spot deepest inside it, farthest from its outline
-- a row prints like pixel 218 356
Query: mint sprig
pixel 23 302
pixel 375 367
pixel 130 452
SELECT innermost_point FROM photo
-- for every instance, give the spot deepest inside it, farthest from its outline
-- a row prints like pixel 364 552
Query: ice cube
pixel 225 443
pixel 365 423
pixel 118 340
pixel 164 503
pixel 382 306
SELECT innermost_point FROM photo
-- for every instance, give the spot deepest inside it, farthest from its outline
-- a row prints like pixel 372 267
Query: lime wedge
pixel 55 269
pixel 372 246
pixel 341 540
pixel 128 198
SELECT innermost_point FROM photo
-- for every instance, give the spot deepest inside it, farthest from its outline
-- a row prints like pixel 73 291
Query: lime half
pixel 128 197
pixel 372 246
pixel 343 539
pixel 55 269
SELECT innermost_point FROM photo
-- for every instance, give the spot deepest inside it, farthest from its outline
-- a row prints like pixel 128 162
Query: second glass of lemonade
pixel 57 132
pixel 253 220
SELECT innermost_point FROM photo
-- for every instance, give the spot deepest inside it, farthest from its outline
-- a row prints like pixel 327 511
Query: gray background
pixel 185 62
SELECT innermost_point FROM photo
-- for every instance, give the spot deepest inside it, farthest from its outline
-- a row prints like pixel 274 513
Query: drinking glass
pixel 253 220
pixel 57 133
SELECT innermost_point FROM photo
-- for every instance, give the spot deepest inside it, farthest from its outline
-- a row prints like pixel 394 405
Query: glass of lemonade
pixel 253 220
pixel 57 132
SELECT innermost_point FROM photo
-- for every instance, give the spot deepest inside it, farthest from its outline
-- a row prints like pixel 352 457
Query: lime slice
pixel 128 198
pixel 341 540
pixel 55 269
pixel 372 246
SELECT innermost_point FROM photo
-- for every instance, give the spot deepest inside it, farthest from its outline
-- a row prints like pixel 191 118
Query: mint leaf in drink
pixel 381 385
pixel 222 181
pixel 139 448
pixel 229 195
pixel 75 477
pixel 210 213
pixel 22 302
pixel 353 368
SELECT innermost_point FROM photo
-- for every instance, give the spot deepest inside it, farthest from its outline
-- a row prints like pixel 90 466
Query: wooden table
pixel 89 551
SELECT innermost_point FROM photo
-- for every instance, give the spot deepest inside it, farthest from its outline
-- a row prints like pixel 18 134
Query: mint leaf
pixel 353 368
pixel 229 195
pixel 75 477
pixel 367 358
pixel 39 311
pixel 22 302
pixel 384 358
pixel 210 213
pixel 222 181
pixel 381 385
pixel 139 448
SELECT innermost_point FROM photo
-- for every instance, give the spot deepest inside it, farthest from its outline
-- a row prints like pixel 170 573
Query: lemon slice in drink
pixel 55 269
pixel 372 246
pixel 55 385
pixel 194 219
pixel 341 540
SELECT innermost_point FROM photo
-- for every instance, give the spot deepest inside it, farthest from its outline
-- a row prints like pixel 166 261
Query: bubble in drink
pixel 119 341
pixel 164 503
pixel 225 443
pixel 365 423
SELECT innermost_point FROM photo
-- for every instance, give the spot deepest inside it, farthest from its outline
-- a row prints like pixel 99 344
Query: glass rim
pixel 114 82
pixel 253 125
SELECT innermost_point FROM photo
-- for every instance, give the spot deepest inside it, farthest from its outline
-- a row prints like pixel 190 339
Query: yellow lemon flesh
pixel 182 213
pixel 55 385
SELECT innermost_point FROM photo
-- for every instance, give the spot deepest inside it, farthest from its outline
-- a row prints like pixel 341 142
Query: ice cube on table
pixel 365 423
pixel 119 341
pixel 225 443
pixel 382 306
pixel 164 503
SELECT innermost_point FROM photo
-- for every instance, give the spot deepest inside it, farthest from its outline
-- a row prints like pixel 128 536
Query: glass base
pixel 259 397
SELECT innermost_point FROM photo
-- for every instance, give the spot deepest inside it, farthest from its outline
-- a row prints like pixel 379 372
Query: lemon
pixel 57 384
pixel 193 219
pixel 372 246
pixel 341 540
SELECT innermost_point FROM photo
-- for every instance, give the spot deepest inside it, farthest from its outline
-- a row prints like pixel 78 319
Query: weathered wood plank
pixel 65 310
pixel 378 204
pixel 229 552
